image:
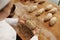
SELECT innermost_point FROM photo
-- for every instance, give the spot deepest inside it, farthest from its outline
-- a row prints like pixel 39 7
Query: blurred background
pixel 55 1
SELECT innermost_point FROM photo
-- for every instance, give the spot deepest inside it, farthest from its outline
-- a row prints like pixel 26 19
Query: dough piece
pixel 40 11
pixel 49 7
pixel 53 10
pixel 31 24
pixel 48 17
pixel 53 21
pixel 31 8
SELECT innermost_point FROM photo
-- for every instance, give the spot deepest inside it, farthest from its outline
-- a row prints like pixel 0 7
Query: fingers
pixel 22 20
pixel 36 31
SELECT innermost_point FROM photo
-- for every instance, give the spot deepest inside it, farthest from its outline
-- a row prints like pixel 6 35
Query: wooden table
pixel 25 33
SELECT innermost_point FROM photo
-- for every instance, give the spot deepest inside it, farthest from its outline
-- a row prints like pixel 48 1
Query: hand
pixel 36 31
pixel 21 20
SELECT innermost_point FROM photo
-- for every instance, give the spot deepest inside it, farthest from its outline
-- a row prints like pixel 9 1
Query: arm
pixel 12 21
pixel 19 29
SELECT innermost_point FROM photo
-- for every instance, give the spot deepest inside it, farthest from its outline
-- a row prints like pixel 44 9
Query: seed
pixel 40 11
pixel 48 17
pixel 53 21
pixel 53 10
pixel 49 7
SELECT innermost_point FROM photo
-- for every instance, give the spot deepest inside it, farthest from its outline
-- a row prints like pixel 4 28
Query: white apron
pixel 6 31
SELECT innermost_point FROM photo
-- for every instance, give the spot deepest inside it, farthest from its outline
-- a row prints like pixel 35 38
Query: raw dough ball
pixel 53 21
pixel 53 10
pixel 40 11
pixel 32 8
pixel 31 24
pixel 48 17
pixel 49 7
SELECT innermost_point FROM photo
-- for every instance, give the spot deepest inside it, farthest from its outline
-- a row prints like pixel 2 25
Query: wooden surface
pixel 55 28
pixel 25 34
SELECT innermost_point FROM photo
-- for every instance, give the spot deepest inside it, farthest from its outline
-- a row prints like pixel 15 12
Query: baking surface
pixel 39 20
